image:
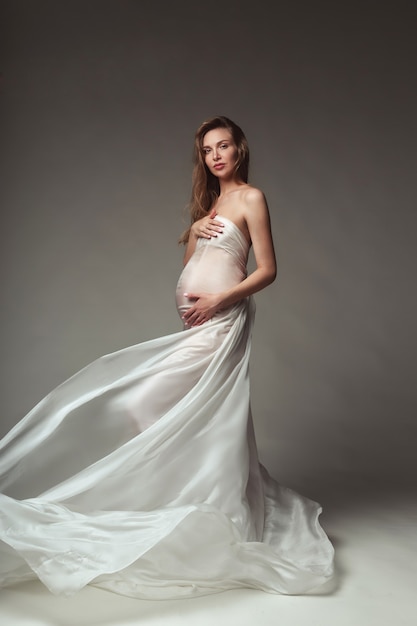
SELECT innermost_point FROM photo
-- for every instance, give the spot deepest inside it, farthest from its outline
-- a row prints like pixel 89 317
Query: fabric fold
pixel 140 473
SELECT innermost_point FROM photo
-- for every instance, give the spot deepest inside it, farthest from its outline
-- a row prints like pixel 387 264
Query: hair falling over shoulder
pixel 205 186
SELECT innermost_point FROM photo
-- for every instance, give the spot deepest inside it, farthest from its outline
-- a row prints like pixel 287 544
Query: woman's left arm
pixel 257 218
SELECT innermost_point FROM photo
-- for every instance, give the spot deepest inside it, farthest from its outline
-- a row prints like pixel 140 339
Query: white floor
pixel 376 585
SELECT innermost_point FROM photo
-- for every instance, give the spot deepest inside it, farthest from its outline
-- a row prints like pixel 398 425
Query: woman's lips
pixel 219 166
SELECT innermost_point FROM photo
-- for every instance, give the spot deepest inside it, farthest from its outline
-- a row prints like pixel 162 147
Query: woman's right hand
pixel 207 227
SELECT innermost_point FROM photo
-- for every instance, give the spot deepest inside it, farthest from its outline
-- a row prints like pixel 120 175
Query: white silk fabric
pixel 140 473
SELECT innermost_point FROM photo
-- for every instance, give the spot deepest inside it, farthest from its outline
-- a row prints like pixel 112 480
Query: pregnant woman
pixel 140 473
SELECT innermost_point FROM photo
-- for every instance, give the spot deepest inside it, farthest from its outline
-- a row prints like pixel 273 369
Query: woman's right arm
pixel 205 227
pixel 190 247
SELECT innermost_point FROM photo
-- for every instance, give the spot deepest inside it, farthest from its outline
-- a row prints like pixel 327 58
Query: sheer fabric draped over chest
pixel 217 264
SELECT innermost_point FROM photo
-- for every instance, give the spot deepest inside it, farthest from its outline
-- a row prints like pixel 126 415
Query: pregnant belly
pixel 210 273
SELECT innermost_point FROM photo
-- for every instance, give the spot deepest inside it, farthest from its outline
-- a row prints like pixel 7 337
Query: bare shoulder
pixel 252 195
pixel 254 204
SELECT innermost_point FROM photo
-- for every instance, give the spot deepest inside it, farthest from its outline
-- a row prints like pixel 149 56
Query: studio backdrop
pixel 99 105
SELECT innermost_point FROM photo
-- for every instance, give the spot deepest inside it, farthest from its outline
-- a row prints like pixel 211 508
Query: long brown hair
pixel 205 186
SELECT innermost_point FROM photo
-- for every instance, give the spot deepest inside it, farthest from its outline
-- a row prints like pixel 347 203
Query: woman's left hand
pixel 205 306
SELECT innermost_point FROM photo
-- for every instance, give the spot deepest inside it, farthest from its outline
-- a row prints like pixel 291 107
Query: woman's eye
pixel 224 145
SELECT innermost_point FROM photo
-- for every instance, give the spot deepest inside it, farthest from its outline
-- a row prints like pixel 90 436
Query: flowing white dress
pixel 140 473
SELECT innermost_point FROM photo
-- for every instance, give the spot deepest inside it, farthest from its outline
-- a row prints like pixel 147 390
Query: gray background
pixel 99 105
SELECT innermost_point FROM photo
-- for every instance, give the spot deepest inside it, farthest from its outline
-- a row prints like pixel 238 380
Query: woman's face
pixel 220 153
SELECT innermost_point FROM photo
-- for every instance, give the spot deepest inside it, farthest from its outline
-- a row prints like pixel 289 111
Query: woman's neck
pixel 227 186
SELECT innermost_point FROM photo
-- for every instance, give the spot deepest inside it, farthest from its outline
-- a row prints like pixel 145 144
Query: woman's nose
pixel 216 155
